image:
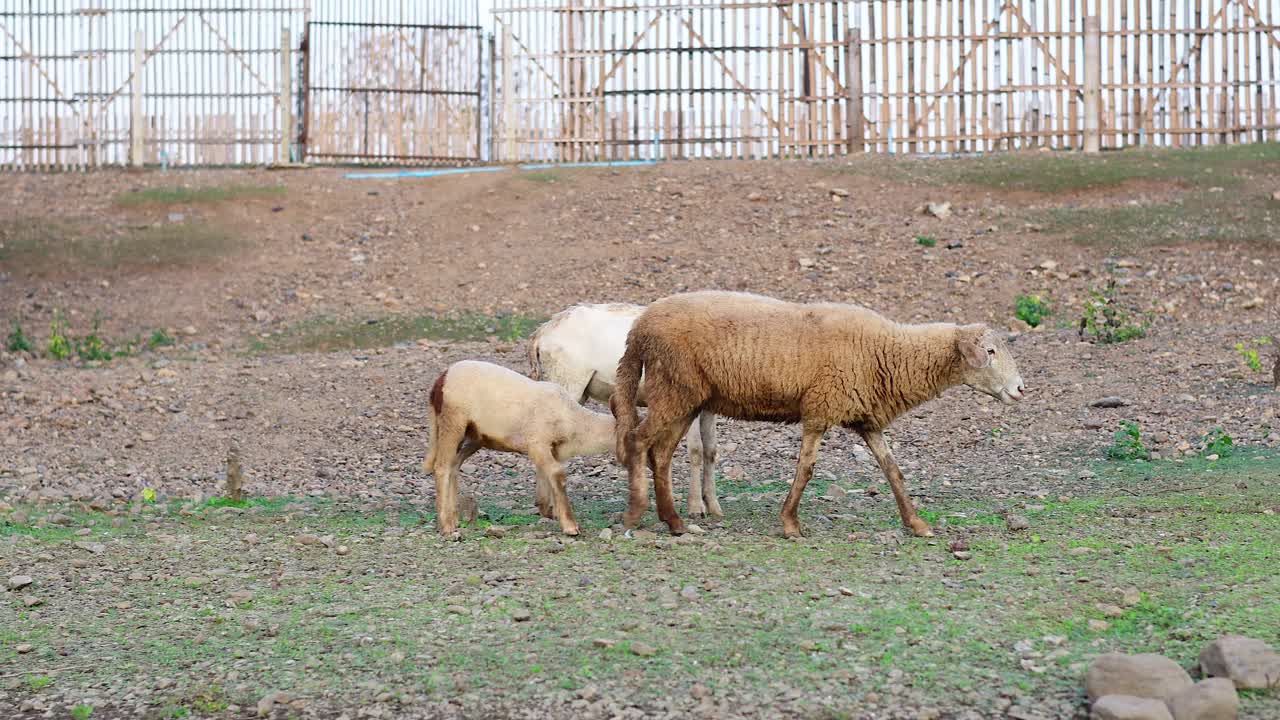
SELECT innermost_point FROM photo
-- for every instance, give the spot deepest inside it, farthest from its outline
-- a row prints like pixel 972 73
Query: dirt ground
pixel 302 316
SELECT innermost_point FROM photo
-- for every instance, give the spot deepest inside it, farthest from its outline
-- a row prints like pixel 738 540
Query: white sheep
pixel 478 405
pixel 579 349
pixel 821 365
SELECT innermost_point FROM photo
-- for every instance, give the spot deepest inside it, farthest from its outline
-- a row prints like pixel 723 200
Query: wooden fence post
pixel 508 96
pixel 286 99
pixel 137 122
pixel 853 91
pixel 1092 83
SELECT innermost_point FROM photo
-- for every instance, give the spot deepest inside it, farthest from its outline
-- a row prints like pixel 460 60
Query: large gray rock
pixel 1144 676
pixel 1128 707
pixel 1251 664
pixel 1212 699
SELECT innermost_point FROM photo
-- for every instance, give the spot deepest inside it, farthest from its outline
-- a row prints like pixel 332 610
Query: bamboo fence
pixel 657 79
pixel 86 83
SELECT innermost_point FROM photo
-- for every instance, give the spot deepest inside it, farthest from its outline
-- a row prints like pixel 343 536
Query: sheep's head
pixel 986 364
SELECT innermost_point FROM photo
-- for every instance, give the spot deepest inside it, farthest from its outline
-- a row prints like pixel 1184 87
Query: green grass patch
pixel 1243 215
pixel 39 247
pixel 328 334
pixel 199 195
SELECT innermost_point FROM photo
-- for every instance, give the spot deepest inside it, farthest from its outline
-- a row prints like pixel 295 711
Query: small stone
pixel 807 262
pixel 604 643
pixel 1251 303
pixel 1212 699
pixel 240 597
pixel 521 615
pixel 1146 675
pixel 962 554
pixel 147 437
pixel 839 192
pixel 643 649
pixel 1251 664
pixel 606 535
pixel 32 601
pixel 95 548
pixel 1097 625
pixel 84 532
pixel 1078 551
pixel 940 210
pixel 644 535
pixel 269 701
pixel 189 330
pixel 689 592
pixel 456 610
pixel 309 539
pixel 1111 611
pixel 1128 707
pixel 24 648
pixel 17 582
pixel 1131 597
pixel 342 550
pixel 695 529
pixel 496 531
pixel 1017 522
pixel 1110 401
pixel 835 492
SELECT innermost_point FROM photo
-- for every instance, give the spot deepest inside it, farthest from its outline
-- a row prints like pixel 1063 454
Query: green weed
pixel 91 346
pixel 1219 443
pixel 926 241
pixel 59 346
pixel 1249 353
pixel 1107 321
pixel 17 340
pixel 159 338
pixel 38 682
pixel 1031 309
pixel 82 712
pixel 1126 443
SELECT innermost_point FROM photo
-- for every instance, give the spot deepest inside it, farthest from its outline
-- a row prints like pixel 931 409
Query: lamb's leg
pixel 447 437
pixel 696 507
pixel 544 498
pixel 707 428
pixel 804 471
pixel 880 450
pixel 637 443
pixel 552 473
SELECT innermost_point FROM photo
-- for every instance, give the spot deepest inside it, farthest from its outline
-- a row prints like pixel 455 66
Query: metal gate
pixel 392 93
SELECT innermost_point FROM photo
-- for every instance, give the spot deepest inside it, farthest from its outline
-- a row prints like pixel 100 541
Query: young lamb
pixel 821 365
pixel 579 349
pixel 478 405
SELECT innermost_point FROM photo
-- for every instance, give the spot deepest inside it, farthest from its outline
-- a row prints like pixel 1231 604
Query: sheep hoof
pixel 572 531
pixel 631 521
pixel 455 536
pixel 920 528
pixel 713 509
pixel 677 527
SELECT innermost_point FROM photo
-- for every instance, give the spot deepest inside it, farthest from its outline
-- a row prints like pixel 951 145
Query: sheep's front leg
pixel 804 471
pixel 880 449
pixel 552 473
pixel 544 498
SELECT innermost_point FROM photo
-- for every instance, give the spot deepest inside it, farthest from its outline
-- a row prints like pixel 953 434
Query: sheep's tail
pixel 622 403
pixel 535 360
pixel 433 419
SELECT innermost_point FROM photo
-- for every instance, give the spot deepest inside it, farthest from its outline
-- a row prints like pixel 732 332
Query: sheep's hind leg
pixel 707 429
pixel 880 449
pixel 552 473
pixel 696 507
pixel 446 475
pixel 804 471
pixel 661 453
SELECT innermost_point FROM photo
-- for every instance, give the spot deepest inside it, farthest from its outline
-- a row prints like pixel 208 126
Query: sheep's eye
pixel 991 351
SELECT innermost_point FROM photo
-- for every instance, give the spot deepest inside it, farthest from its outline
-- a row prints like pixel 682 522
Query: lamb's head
pixel 986 365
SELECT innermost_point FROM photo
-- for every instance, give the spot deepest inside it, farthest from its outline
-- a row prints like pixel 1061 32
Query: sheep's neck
pixel 593 435
pixel 922 359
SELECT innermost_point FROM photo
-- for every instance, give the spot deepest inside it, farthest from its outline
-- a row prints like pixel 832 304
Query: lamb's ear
pixel 969 343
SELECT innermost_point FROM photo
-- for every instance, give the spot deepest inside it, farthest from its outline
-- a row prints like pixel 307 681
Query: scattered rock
pixel 1147 676
pixel 468 511
pixel 496 531
pixel 689 592
pixel 24 648
pixel 95 548
pixel 604 642
pixel 643 649
pixel 961 554
pixel 147 437
pixel 1128 707
pixel 835 492
pixel 1251 664
pixel 839 192
pixel 1110 401
pixel 17 582
pixel 269 702
pixel 456 610
pixel 521 615
pixel 940 210
pixel 606 535
pixel 1111 611
pixel 1097 625
pixel 1251 303
pixel 342 550
pixel 1017 522
pixel 1131 597
pixel 32 601
pixel 694 529
pixel 1212 699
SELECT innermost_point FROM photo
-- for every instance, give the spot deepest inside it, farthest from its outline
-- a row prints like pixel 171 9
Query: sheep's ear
pixel 969 342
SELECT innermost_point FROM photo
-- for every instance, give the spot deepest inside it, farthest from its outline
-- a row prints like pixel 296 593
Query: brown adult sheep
pixel 756 358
